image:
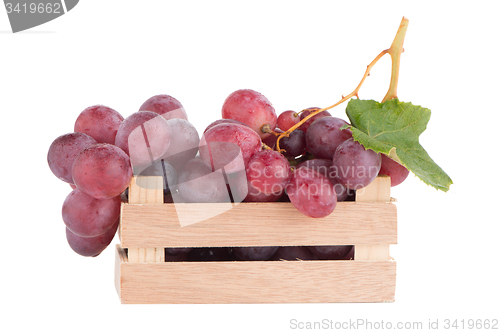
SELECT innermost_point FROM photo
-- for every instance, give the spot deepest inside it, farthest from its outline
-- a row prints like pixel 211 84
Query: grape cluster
pixel 100 157
pixel 329 166
pixel 236 159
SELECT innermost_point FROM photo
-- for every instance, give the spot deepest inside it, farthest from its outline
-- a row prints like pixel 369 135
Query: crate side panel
pixel 258 282
pixel 257 224
pixel 120 258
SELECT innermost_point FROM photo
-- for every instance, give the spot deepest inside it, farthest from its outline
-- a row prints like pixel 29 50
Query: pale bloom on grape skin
pixel 166 106
pixel 230 146
pixel 268 171
pixel 311 193
pixel 251 108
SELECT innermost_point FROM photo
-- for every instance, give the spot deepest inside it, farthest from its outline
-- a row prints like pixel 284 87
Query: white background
pixel 298 54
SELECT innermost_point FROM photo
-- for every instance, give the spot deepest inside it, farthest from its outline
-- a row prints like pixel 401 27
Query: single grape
pixel 287 119
pixel 251 108
pixel 325 167
pixel 295 144
pixel 209 254
pixel 311 193
pixel 224 121
pixel 255 195
pixel 350 255
pixel 177 251
pixel 254 252
pixel 325 136
pixel 102 171
pixel 308 122
pixel 164 105
pixel 91 246
pixel 86 216
pixel 293 253
pixel 100 122
pixel 268 171
pixel 230 146
pixel 157 168
pixel 184 142
pixel 284 198
pixel 197 183
pixel 270 140
pixel 331 252
pixel 62 153
pixel 393 169
pixel 237 185
pixel 177 258
pixel 355 166
pixel 144 136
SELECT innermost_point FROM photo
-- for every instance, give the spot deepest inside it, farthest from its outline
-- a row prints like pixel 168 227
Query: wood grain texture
pixel 120 257
pixel 146 190
pixel 379 190
pixel 315 281
pixel 258 224
pixel 372 252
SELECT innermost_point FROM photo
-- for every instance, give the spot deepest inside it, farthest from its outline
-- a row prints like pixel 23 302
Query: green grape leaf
pixel 393 128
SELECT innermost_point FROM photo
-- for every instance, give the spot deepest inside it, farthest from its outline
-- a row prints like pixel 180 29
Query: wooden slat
pixel 258 282
pixel 372 252
pixel 120 258
pixel 378 190
pixel 258 224
pixel 146 190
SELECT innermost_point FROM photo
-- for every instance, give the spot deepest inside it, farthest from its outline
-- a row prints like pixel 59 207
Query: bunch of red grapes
pixel 235 160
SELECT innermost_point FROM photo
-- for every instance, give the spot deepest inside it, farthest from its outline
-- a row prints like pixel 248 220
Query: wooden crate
pixel 148 226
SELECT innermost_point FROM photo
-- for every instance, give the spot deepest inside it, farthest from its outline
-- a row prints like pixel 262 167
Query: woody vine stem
pixel 395 51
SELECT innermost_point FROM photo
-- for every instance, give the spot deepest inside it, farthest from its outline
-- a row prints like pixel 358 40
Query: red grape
pixel 197 183
pixel 287 119
pixel 165 105
pixel 355 166
pixel 268 171
pixel 251 108
pixel 325 136
pixel 325 167
pixel 144 136
pixel 86 216
pixel 331 252
pixel 308 122
pixel 209 254
pixel 254 252
pixel 293 253
pixel 393 169
pixel 176 258
pixel 62 153
pixel 311 193
pixel 102 171
pixel 100 122
pixel 91 246
pixel 224 121
pixel 184 142
pixel 230 146
pixel 157 168
pixel 295 144
pixel 177 251
pixel 255 195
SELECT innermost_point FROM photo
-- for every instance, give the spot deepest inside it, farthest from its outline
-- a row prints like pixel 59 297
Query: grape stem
pixel 395 51
pixel 266 147
pixel 267 129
